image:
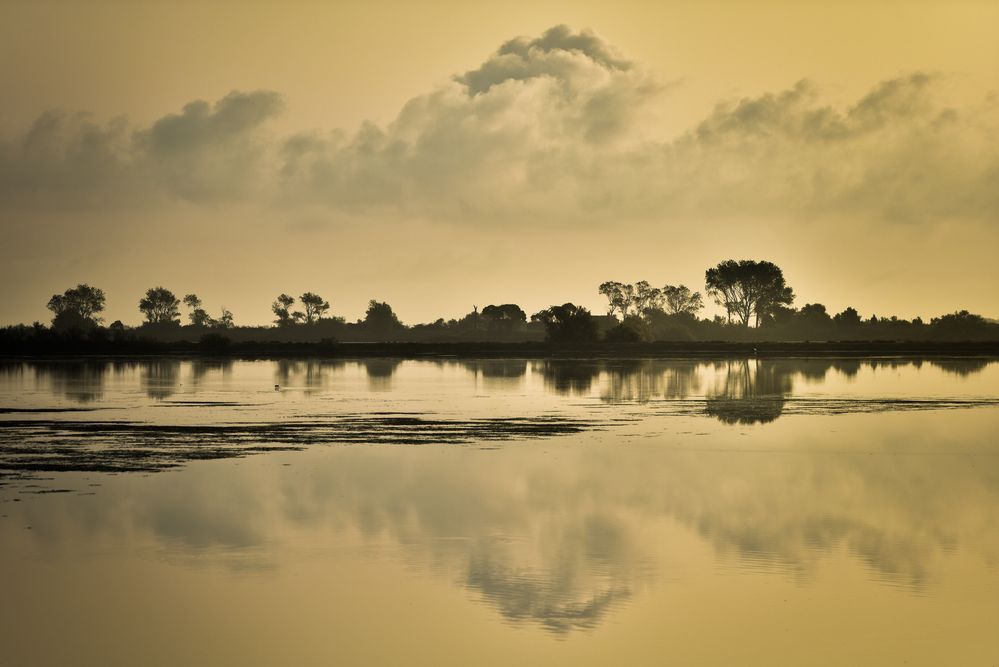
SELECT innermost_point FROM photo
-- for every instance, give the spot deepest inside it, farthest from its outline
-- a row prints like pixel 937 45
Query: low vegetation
pixel 754 295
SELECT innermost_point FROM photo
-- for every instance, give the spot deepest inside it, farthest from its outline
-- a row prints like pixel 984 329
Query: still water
pixel 498 512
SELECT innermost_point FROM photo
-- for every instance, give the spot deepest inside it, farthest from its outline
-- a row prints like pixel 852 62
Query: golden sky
pixel 411 152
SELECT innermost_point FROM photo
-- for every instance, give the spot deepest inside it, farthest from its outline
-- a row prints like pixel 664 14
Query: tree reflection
pixel 380 373
pixel 560 541
pixel 200 368
pixel 159 378
pixel 78 381
pixel 312 375
pixel 961 367
pixel 498 373
pixel 644 380
pixel 749 392
pixel 571 377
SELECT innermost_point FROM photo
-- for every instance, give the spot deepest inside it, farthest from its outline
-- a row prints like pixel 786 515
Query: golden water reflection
pixel 568 537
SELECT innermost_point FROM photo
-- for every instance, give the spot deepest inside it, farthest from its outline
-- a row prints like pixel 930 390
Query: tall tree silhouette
pixel 77 306
pixel 282 310
pixel 620 297
pixel 567 323
pixel 199 316
pixel 679 300
pixel 748 288
pixel 380 318
pixel 159 305
pixel 315 307
pixel 647 297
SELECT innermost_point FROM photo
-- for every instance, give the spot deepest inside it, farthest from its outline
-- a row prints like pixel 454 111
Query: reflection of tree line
pixel 314 374
pixel 787 512
pixel 85 381
pixel 743 390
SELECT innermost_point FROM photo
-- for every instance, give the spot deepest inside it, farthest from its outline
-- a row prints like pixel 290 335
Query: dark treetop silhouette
pixel 748 288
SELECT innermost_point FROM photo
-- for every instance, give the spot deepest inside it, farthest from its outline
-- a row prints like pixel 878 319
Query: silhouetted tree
pixel 780 316
pixel 961 325
pixel 160 305
pixel 620 297
pixel 670 327
pixel 814 315
pixel 77 307
pixel 679 300
pixel 647 297
pixel 117 331
pixel 747 288
pixel 225 320
pixel 632 330
pixel 282 310
pixel 848 318
pixel 506 317
pixel 315 307
pixel 198 315
pixel 567 323
pixel 380 317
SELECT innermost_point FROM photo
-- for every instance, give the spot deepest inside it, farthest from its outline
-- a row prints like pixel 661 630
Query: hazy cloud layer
pixel 558 128
pixel 207 152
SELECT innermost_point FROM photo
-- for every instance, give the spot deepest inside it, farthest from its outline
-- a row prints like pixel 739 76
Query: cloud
pixel 205 153
pixel 558 53
pixel 895 154
pixel 209 152
pixel 548 130
pixel 492 142
pixel 554 130
pixel 64 155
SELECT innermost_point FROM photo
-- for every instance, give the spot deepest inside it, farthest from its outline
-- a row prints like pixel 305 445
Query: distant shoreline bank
pixel 412 350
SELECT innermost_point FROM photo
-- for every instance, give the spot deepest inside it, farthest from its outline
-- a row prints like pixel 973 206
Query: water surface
pixel 789 511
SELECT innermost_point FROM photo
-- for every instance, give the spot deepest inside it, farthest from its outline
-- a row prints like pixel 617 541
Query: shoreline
pixel 413 350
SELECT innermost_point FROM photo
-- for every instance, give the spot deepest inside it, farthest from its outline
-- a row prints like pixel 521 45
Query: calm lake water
pixel 498 512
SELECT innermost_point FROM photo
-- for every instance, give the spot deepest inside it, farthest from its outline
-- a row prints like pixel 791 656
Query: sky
pixel 443 155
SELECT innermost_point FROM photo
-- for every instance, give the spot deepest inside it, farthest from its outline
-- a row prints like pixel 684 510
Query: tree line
pixel 754 296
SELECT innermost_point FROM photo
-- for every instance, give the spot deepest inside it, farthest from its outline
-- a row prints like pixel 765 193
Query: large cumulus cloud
pixel 555 128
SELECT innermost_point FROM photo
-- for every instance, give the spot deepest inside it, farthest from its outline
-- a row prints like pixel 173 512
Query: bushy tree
pixel 381 318
pixel 748 288
pixel 849 317
pixel 315 307
pixel 79 306
pixel 814 315
pixel 962 325
pixel 642 299
pixel 620 297
pixel 647 297
pixel 679 300
pixel 567 323
pixel 633 329
pixel 199 316
pixel 159 305
pixel 506 317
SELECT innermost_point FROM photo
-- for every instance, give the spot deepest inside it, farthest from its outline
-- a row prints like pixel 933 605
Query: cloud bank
pixel 559 129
